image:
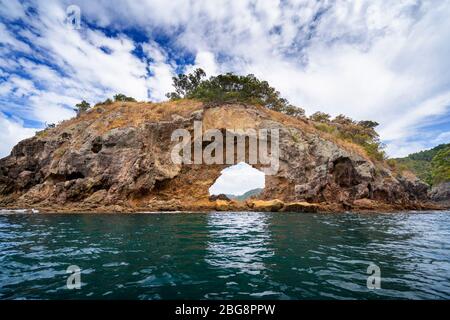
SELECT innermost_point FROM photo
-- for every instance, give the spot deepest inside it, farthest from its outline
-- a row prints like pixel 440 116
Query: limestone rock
pixel 269 205
pixel 300 207
pixel 165 205
pixel 219 197
pixel 222 205
pixel 441 193
pixel 365 203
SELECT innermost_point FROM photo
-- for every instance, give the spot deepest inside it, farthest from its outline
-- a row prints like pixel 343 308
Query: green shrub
pixel 82 107
pixel 325 127
pixel 294 111
pixel 123 98
pixel 105 103
pixel 320 117
pixel 374 150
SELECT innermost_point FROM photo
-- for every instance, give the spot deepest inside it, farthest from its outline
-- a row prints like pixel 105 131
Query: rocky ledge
pixel 118 158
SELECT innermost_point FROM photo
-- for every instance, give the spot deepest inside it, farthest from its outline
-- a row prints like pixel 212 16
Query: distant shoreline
pixel 137 211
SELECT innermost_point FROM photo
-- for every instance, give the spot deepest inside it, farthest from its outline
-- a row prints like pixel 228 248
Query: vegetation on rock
pixel 362 133
pixel 230 88
pixel 119 159
pixel 105 103
pixel 320 117
pixel 432 166
pixel 440 166
pixel 123 98
pixel 82 107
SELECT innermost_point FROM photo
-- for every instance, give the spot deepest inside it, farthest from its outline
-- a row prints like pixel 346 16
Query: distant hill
pixel 246 195
pixel 432 166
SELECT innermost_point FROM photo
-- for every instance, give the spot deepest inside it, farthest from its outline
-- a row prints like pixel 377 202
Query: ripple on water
pixel 225 256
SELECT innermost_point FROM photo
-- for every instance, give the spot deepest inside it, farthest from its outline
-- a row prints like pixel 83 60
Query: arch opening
pixel 239 182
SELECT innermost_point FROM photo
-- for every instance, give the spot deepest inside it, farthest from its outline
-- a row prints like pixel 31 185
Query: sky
pixel 238 179
pixel 380 60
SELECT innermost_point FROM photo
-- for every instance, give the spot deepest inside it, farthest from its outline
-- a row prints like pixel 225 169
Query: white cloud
pixel 404 124
pixel 161 70
pixel 82 57
pixel 443 137
pixel 12 131
pixel 17 86
pixel 12 9
pixel 206 61
pixel 7 39
pixel 238 179
pixel 366 59
pixel 73 65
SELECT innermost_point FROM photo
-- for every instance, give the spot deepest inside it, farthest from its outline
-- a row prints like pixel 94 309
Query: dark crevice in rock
pixel 370 191
pixel 162 184
pixel 58 177
pixel 74 175
pixel 344 172
pixel 97 145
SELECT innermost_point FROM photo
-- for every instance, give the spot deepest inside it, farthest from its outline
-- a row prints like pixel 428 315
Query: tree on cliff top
pixel 320 117
pixel 228 88
pixel 185 85
pixel 82 107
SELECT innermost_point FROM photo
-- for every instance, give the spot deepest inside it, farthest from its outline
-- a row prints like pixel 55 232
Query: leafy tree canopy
pixel 428 155
pixel 368 124
pixel 82 107
pixel 228 88
pixel 320 117
pixel 440 166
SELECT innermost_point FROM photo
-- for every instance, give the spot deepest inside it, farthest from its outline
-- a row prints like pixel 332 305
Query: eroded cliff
pixel 118 158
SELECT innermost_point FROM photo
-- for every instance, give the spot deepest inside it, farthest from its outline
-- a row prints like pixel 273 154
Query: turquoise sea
pixel 225 255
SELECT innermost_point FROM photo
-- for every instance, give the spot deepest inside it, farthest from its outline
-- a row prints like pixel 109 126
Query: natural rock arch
pixel 110 157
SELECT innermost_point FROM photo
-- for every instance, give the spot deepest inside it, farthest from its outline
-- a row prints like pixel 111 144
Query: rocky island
pixel 117 158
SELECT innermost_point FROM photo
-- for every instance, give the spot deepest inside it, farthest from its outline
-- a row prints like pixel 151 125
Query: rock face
pixel 441 193
pixel 268 205
pixel 301 207
pixel 120 156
